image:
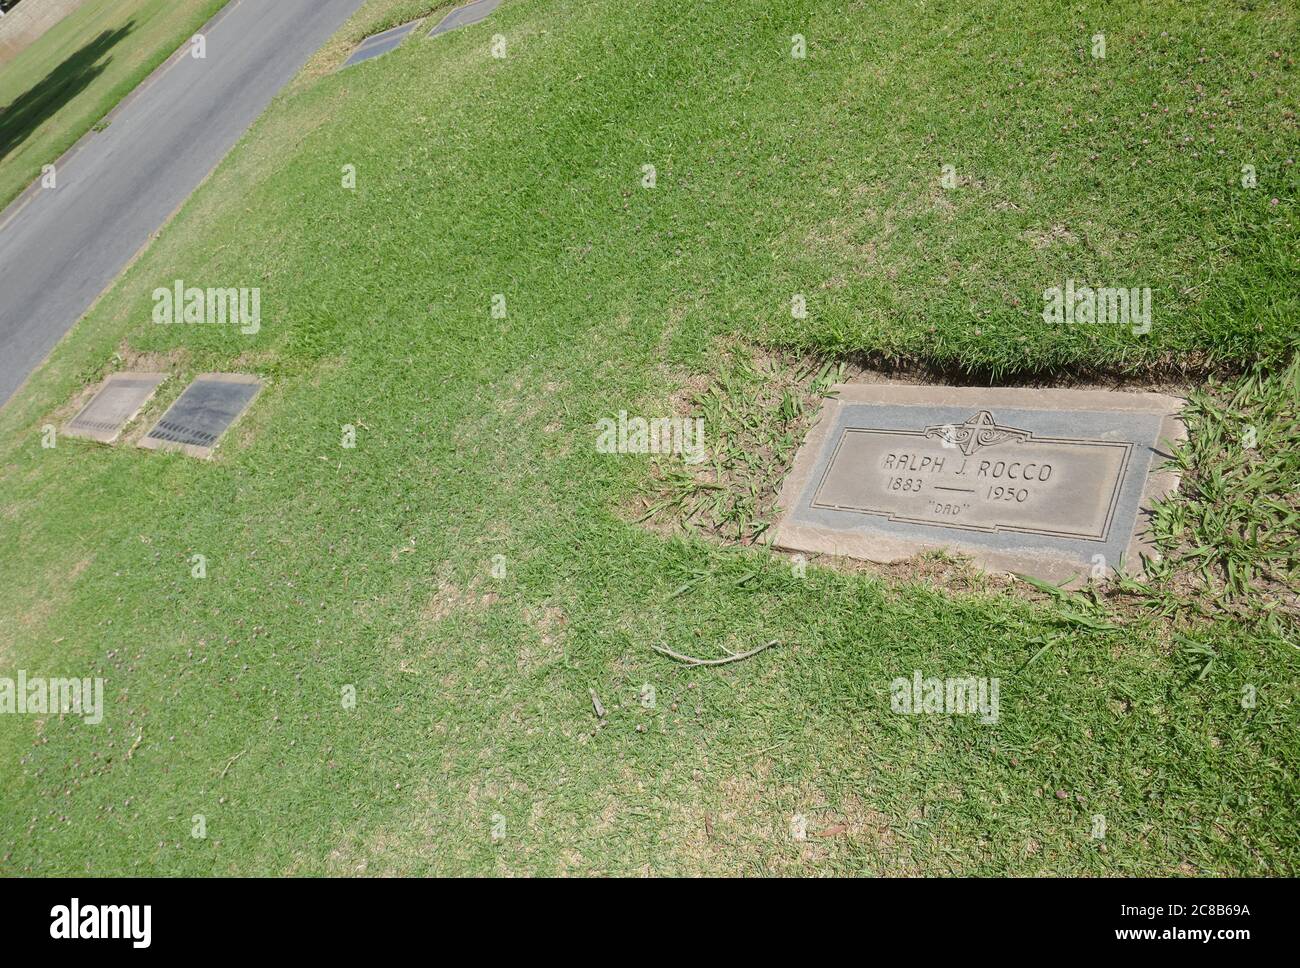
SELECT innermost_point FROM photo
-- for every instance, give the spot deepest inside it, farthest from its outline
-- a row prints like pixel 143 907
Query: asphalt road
pixel 63 246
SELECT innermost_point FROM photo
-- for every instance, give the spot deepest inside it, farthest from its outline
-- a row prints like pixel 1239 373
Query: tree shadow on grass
pixel 42 101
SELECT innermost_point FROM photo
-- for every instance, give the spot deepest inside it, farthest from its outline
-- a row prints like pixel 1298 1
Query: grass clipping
pixel 756 413
pixel 1230 535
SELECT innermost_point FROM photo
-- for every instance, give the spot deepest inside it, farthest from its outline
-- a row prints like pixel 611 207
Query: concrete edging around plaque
pixel 116 403
pixel 860 520
pixel 199 418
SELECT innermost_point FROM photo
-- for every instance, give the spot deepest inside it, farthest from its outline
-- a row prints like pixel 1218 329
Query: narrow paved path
pixel 61 247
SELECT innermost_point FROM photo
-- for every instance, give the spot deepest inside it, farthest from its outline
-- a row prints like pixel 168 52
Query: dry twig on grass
pixel 231 763
pixel 733 657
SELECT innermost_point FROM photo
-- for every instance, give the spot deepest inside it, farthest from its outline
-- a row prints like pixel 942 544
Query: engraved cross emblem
pixel 978 431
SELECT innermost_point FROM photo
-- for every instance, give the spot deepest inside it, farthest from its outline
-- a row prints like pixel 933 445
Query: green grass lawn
pixel 57 89
pixel 475 569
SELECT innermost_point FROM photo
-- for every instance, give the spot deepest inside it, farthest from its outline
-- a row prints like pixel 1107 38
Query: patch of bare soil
pixel 450 599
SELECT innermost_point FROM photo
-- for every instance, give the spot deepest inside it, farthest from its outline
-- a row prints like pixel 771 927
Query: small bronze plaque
pixel 380 43
pixel 117 402
pixel 196 421
pixel 471 13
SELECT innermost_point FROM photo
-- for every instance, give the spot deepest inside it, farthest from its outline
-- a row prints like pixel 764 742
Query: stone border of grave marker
pixel 195 450
pixel 871 545
pixel 108 434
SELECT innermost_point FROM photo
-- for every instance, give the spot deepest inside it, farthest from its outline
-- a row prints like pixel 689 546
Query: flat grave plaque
pixel 115 404
pixel 200 415
pixel 1050 483
pixel 471 13
pixel 380 43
